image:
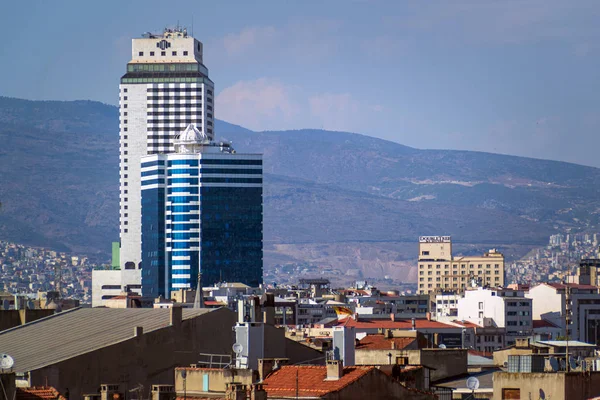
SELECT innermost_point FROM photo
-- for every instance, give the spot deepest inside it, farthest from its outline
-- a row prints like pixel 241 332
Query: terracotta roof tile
pixel 405 324
pixel 311 380
pixel 542 323
pixel 380 342
pixel 37 393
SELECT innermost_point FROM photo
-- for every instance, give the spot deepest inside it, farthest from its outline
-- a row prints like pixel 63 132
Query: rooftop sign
pixel 434 239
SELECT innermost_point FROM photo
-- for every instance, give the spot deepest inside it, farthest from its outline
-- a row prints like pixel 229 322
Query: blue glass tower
pixel 201 212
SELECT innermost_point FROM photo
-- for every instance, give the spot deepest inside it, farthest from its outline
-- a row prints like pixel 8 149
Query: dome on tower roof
pixel 191 134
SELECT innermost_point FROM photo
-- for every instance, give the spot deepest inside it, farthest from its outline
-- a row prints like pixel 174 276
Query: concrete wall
pixel 555 386
pixel 147 359
pixel 446 362
pixel 217 380
pixel 378 385
pixel 501 356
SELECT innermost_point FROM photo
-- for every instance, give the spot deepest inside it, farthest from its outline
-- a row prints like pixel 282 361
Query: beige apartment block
pixel 439 270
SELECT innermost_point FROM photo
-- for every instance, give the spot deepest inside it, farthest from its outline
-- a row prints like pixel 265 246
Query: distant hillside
pixel 59 187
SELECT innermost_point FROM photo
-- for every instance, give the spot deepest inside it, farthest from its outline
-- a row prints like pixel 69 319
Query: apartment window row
pixel 198 97
pixel 162 53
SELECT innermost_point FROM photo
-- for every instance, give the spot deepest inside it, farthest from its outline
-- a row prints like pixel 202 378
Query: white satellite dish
pixel 473 383
pixel 442 346
pixel 554 364
pixel 6 361
pixel 237 348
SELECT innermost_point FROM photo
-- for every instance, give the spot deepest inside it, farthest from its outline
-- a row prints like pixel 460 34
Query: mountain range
pixel 333 199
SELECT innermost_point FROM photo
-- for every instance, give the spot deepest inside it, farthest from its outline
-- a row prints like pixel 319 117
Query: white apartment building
pixel 109 283
pixel 549 303
pixel 446 304
pixel 500 308
pixel 165 89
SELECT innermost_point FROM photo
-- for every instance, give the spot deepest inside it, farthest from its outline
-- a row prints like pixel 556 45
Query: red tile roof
pixel 405 324
pixel 37 393
pixel 381 342
pixel 310 380
pixel 542 323
pixel 481 353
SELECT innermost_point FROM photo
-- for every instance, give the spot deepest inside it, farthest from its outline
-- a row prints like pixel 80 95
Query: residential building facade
pixel 498 308
pixel 439 270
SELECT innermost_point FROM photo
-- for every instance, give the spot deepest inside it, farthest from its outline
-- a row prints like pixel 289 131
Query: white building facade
pixel 500 308
pixel 165 89
pixel 549 304
pixel 109 283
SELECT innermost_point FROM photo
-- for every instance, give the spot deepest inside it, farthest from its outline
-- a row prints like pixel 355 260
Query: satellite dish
pixel 563 364
pixel 572 363
pixel 442 346
pixel 184 374
pixel 554 364
pixel 473 383
pixel 237 348
pixel 6 361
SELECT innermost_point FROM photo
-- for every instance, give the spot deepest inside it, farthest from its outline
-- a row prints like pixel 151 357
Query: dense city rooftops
pixel 309 380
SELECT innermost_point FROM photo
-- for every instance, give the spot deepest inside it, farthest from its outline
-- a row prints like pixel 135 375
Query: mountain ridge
pixel 59 188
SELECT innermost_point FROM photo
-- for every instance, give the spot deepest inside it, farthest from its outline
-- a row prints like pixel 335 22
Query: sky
pixel 502 76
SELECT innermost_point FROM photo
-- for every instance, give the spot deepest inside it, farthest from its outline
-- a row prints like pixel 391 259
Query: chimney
pixel 428 316
pixel 257 392
pixel 393 345
pixel 235 391
pixel 110 392
pixel 335 370
pixel 414 324
pixel 176 316
pixel 138 331
pixel 265 366
pixel 392 317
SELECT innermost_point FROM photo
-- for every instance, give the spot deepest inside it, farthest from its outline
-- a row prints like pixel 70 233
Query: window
pixel 424 253
pixel 151 53
pixel 124 121
pixel 125 230
pixel 125 136
pixel 124 144
pixel 511 394
pixel 141 53
pixel 481 305
pixel 174 53
pixel 163 53
pixel 125 90
pixel 125 114
pixel 124 129
pixel 185 53
pixel 124 97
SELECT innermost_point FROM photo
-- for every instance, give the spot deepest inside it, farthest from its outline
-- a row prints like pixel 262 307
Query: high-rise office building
pixel 165 89
pixel 201 212
pixel 440 271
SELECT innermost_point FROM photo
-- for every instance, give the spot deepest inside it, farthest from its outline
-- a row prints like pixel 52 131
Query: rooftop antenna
pixel 192 25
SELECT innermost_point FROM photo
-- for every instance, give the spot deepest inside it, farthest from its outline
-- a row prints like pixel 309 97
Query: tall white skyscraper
pixel 165 89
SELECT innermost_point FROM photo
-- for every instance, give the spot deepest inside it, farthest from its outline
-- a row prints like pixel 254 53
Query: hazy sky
pixel 516 77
